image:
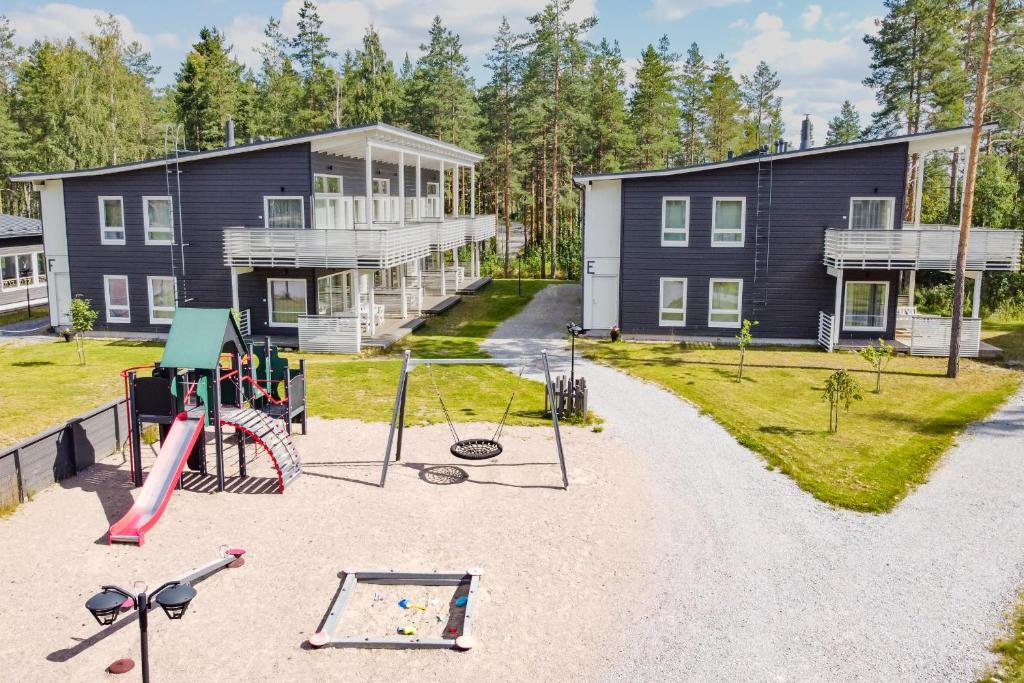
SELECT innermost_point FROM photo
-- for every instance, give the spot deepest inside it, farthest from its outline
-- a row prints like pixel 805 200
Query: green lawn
pixel 41 385
pixel 886 444
pixel 1011 652
pixel 16 316
pixel 1007 335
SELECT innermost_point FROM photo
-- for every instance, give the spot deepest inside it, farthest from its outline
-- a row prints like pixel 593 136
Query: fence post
pixel 17 472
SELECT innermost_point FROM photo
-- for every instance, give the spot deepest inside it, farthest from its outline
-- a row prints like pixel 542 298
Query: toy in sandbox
pixel 190 390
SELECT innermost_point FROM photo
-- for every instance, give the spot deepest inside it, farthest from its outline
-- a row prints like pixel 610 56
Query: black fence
pixel 60 452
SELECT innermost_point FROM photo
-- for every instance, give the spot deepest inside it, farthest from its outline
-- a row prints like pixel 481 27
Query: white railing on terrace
pixel 826 325
pixel 360 248
pixel 449 234
pixel 481 227
pixel 330 333
pixel 929 336
pixel 931 247
pixel 245 323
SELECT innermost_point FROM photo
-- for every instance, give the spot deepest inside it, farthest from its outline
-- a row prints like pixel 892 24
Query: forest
pixel 555 103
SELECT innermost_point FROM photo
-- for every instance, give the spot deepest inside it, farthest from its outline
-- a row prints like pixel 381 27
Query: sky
pixel 815 45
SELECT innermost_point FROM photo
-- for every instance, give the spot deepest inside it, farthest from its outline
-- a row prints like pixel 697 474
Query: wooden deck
pixel 902 345
pixel 474 286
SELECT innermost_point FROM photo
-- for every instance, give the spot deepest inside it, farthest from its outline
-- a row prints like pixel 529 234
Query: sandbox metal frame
pixel 325 636
pixel 398 411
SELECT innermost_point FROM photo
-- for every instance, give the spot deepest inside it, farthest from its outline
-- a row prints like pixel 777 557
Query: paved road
pixel 758 580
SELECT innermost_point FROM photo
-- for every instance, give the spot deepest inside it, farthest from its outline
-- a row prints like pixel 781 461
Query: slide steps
pixel 275 440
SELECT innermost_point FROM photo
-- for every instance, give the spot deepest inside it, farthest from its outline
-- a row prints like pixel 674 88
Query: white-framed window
pixel 111 220
pixel 675 221
pixel 433 189
pixel 115 293
pixel 382 203
pixel 866 306
pixel 158 218
pixel 286 300
pixel 329 204
pixel 284 212
pixel 432 202
pixel 872 213
pixel 161 299
pixel 381 186
pixel 335 293
pixel 725 302
pixel 728 218
pixel 18 271
pixel 672 302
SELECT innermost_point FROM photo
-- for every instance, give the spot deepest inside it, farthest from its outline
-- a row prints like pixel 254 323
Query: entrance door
pixel 604 301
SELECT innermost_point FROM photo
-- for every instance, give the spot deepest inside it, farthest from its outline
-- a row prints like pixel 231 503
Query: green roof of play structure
pixel 197 337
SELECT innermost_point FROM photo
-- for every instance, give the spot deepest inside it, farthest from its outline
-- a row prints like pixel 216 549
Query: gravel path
pixel 758 580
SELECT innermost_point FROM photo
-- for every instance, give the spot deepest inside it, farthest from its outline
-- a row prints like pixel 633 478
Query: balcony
pixel 335 249
pixel 927 247
pixel 481 228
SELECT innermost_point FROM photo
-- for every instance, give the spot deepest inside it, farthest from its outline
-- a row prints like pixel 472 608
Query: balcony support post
pixel 440 187
pixel 918 190
pixel 976 302
pixel 472 190
pixel 401 189
pixel 837 319
pixel 369 183
pixel 372 319
pixel 455 266
pixel 405 304
pixel 419 209
pixel 456 190
pixel 911 287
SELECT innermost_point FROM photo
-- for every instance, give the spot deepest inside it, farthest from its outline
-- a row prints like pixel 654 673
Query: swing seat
pixel 476 449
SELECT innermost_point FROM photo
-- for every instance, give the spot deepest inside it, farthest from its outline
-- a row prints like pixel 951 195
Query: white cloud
pixel 57 20
pixel 817 73
pixel 677 9
pixel 402 25
pixel 811 16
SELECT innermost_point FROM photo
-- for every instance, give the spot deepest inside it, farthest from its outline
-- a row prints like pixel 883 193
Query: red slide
pixel 156 490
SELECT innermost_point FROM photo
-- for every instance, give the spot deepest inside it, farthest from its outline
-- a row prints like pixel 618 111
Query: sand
pixel 564 573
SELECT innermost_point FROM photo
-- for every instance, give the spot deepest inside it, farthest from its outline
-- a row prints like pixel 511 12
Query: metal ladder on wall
pixel 176 135
pixel 762 233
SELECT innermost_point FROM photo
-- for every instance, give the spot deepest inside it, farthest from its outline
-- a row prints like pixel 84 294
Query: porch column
pixel 472 191
pixel 455 263
pixel 405 306
pixel 976 303
pixel 444 286
pixel 918 190
pixel 419 285
pixel 369 184
pixel 963 195
pixel 911 287
pixel 234 289
pixel 456 194
pixel 837 321
pixel 418 208
pixel 357 296
pixel 476 260
pixel 401 188
pixel 440 187
pixel 372 321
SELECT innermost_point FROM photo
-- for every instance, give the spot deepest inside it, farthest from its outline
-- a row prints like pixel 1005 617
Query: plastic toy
pixel 407 630
pixel 461 602
pixel 405 604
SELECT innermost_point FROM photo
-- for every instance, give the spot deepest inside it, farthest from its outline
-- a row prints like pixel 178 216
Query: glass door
pixel 334 294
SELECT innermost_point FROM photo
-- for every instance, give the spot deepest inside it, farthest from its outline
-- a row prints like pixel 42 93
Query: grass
pixel 472 393
pixel 1010 650
pixel 41 385
pixel 21 314
pixel 886 444
pixel 1007 335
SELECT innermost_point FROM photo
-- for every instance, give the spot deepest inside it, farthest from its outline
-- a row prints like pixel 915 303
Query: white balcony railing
pixel 929 336
pixel 360 248
pixel 330 333
pixel 932 247
pixel 448 234
pixel 826 334
pixel 481 227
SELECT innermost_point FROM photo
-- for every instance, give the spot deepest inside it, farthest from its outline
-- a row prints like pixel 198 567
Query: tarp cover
pixel 197 337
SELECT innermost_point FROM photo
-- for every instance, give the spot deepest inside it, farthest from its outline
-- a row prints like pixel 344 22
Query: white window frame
pixel 711 299
pixel 661 302
pixel 270 299
pixel 743 222
pixel 106 299
pixel 387 187
pixel 335 198
pixel 103 217
pixel 885 306
pixel 145 220
pixel 685 231
pixel 875 198
pixel 149 300
pixel 266 208
pixel 437 188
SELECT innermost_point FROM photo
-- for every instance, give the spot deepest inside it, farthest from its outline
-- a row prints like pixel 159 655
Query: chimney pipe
pixel 229 133
pixel 806 131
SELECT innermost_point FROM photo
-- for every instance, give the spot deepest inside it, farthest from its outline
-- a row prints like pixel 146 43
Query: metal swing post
pixel 396 411
pixel 550 393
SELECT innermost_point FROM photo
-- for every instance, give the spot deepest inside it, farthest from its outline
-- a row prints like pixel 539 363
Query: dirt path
pixel 757 580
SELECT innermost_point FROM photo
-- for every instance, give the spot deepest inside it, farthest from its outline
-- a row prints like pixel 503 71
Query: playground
pixel 562 568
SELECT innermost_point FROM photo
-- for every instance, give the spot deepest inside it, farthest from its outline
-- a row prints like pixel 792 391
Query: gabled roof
pixel 336 133
pixel 19 226
pixel 197 337
pixel 953 134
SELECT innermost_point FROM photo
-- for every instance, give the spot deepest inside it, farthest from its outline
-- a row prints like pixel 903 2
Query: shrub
pixel 83 317
pixel 878 356
pixel 841 389
pixel 744 339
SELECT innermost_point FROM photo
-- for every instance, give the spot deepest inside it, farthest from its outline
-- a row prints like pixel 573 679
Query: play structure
pixel 455 633
pixel 476 448
pixel 189 391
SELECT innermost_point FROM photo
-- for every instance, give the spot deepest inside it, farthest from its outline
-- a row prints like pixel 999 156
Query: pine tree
pixel 311 51
pixel 693 98
pixel 723 128
pixel 369 88
pixel 13 143
pixel 607 145
pixel 653 110
pixel 207 90
pixel 844 126
pixel 278 90
pixel 759 93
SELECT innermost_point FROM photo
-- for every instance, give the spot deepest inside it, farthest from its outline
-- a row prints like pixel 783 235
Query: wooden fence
pixel 60 452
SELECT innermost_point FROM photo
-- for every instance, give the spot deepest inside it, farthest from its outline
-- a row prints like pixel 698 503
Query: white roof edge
pixel 948 132
pixel 255 147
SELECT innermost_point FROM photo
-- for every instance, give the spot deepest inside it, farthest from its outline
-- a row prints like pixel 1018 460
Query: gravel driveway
pixel 758 580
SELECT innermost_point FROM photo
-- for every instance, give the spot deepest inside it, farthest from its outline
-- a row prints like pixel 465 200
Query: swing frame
pixel 398 412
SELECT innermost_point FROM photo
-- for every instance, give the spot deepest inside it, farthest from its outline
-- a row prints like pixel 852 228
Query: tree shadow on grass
pixel 782 430
pixel 31 363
